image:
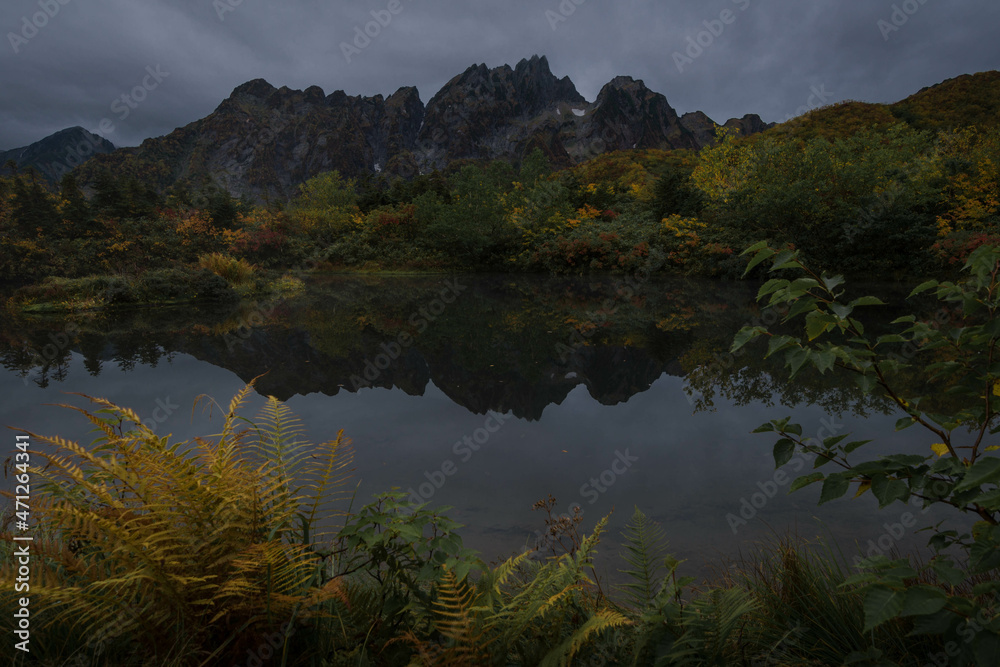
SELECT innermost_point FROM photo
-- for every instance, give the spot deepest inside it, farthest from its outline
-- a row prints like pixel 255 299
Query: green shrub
pixel 958 601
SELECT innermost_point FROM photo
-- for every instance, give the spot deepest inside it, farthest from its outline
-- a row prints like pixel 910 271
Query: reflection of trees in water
pixel 711 372
pixel 754 379
pixel 506 343
pixel 41 349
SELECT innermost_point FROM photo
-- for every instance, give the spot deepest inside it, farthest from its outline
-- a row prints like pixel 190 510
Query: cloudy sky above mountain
pixel 70 62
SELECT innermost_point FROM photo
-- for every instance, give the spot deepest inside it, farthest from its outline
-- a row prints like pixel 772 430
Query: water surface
pixel 490 393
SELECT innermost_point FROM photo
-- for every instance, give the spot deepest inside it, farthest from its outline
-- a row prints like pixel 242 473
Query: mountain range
pixel 262 142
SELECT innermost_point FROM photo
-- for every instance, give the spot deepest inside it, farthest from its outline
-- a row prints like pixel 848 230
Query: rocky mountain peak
pixel 622 83
pixel 538 87
pixel 314 94
pixel 58 153
pixel 258 88
pixel 264 141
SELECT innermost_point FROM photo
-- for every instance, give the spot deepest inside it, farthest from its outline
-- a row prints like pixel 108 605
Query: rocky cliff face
pixel 627 115
pixel 57 154
pixel 495 113
pixel 263 142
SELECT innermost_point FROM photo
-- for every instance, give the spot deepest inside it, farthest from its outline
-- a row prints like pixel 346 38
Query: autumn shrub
pixel 594 242
pixel 196 231
pixel 953 251
pixel 236 272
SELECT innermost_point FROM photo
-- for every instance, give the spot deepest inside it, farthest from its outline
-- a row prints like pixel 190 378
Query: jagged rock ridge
pixel 263 141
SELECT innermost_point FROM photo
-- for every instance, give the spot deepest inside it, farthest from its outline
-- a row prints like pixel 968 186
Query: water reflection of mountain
pixel 506 344
pixel 612 374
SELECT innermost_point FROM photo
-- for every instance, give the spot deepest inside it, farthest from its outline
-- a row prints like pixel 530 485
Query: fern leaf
pixel 602 620
pixel 645 552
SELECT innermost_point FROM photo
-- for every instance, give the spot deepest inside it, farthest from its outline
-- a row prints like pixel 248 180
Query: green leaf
pixel 922 601
pixel 889 339
pixel 771 286
pixel 818 322
pixel 923 287
pixel 783 451
pixel 803 284
pixel 759 245
pixel 889 490
pixel 745 335
pixel 985 471
pixel 824 360
pixel 782 261
pixel 866 382
pixel 840 310
pixel 796 359
pixel 832 282
pixel 801 305
pixel 778 343
pixel 881 604
pixel 934 624
pixel 834 486
pixel 805 481
pixel 410 533
pixel 990 500
pixel 867 301
pixel 905 422
pixel 762 255
pixel 851 446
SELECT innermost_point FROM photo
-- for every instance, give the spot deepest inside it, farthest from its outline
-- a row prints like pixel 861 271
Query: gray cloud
pixel 766 60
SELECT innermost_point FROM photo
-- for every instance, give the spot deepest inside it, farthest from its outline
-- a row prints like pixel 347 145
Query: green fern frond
pixel 645 552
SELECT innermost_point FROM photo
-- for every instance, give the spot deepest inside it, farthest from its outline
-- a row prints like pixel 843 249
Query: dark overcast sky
pixel 767 59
